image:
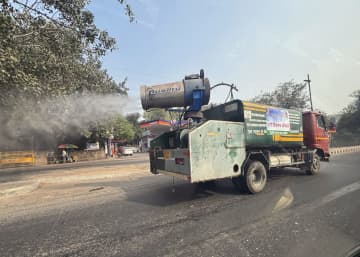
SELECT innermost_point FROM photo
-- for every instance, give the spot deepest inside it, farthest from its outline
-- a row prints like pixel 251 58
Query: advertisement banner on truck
pixel 277 120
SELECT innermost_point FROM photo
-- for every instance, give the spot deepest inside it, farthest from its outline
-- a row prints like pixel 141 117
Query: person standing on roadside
pixel 64 155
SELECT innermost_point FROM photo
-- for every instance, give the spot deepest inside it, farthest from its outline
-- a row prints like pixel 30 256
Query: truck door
pixel 322 135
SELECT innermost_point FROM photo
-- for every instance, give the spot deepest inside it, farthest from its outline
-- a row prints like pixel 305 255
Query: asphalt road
pixel 296 215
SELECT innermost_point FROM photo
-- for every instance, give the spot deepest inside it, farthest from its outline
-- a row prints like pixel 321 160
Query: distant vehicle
pixel 126 150
pixel 135 149
pixel 56 157
pixel 53 158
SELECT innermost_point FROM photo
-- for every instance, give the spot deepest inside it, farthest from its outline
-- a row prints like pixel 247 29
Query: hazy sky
pixel 254 44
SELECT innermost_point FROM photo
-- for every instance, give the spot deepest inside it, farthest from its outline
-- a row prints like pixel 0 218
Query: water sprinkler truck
pixel 240 140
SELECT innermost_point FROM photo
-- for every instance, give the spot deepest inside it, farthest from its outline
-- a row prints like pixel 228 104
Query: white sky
pixel 254 44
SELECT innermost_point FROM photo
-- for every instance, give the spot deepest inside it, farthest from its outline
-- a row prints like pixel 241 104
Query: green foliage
pixel 348 127
pixel 122 129
pixel 350 119
pixel 156 114
pixel 50 49
pixel 133 120
pixel 118 127
pixel 289 95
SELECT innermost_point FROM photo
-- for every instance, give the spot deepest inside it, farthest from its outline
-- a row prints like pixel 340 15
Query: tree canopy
pixel 289 95
pixel 133 119
pixel 156 114
pixel 51 49
pixel 348 127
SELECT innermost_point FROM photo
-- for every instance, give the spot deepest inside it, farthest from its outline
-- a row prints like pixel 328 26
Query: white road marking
pixel 253 227
pixel 340 192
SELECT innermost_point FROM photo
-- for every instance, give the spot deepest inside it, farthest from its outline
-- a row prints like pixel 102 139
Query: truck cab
pixel 316 134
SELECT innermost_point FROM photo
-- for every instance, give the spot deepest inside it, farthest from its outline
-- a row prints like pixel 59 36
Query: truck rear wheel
pixel 314 167
pixel 254 179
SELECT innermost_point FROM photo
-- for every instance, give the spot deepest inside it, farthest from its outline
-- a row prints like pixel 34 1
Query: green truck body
pixel 262 129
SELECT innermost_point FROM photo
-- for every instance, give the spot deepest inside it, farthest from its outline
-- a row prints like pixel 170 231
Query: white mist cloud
pixel 69 114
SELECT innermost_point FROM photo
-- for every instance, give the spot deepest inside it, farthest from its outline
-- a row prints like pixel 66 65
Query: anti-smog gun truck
pixel 238 139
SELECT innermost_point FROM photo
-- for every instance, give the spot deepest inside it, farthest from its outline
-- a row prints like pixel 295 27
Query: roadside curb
pixel 75 165
pixel 343 150
pixel 17 188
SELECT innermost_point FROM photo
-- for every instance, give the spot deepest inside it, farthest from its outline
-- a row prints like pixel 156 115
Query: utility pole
pixel 308 81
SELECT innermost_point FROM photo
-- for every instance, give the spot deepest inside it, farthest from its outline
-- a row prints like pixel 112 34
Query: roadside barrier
pixel 343 150
pixel 12 159
pixel 28 158
pixel 16 159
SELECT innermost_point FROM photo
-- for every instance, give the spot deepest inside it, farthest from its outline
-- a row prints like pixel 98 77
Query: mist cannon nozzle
pixel 193 91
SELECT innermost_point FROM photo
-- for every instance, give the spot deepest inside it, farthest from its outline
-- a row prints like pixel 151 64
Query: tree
pixel 350 119
pixel 133 119
pixel 122 129
pixel 156 114
pixel 50 49
pixel 289 95
pixel 348 127
pixel 117 126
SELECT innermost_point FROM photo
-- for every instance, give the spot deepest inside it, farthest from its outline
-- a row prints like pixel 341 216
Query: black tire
pixel 254 179
pixel 314 168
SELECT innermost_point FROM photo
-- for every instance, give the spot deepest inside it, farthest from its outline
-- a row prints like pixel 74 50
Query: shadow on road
pixel 168 194
pixel 279 173
pixel 165 194
pixel 160 190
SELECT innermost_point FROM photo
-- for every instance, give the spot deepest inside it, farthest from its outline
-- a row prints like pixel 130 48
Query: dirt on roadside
pixel 67 188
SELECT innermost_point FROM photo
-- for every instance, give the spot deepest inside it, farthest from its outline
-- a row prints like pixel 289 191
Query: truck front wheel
pixel 254 179
pixel 314 168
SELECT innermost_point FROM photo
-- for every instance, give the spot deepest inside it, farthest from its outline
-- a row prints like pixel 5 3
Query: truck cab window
pixel 320 122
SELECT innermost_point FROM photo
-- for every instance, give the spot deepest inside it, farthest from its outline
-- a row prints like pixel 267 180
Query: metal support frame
pixel 308 81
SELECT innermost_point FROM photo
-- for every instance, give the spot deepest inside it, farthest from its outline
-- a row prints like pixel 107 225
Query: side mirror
pixel 332 127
